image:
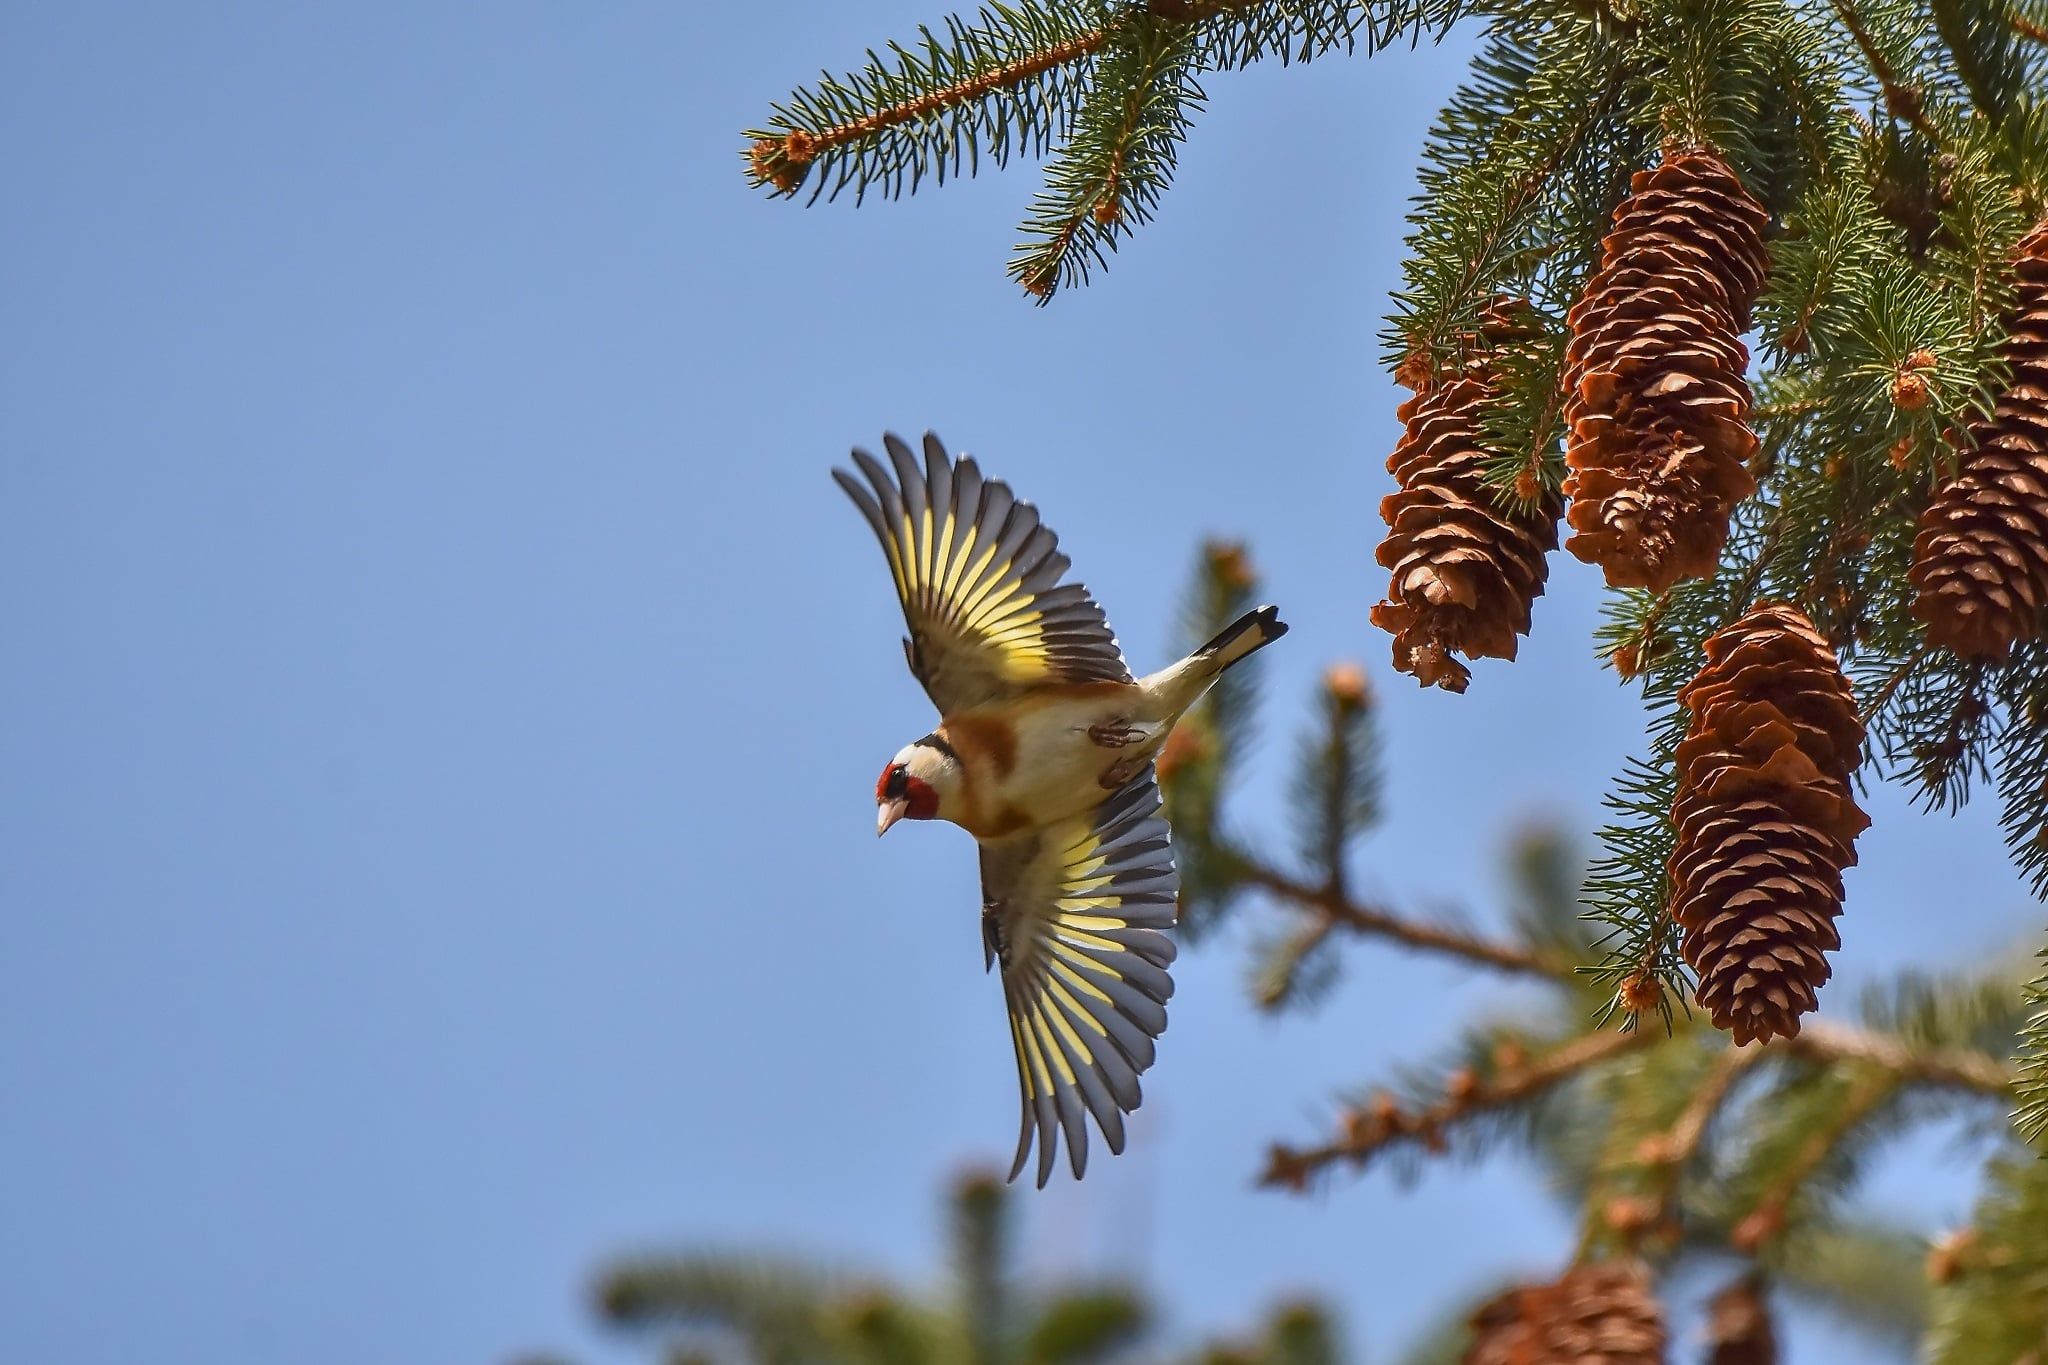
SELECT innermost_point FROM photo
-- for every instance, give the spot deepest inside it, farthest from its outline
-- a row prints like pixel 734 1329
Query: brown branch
pixel 1948 1068
pixel 1194 11
pixel 1883 696
pixel 1040 276
pixel 1384 1123
pixel 1767 1219
pixel 2026 27
pixel 1523 192
pixel 1904 101
pixel 1820 1040
pixel 1891 1064
pixel 1275 985
pixel 1669 1152
pixel 1342 912
pixel 783 160
pixel 1791 407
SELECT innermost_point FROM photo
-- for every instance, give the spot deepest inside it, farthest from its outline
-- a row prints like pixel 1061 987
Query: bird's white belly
pixel 1059 769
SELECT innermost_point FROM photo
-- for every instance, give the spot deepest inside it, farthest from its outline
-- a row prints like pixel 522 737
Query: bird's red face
pixel 901 796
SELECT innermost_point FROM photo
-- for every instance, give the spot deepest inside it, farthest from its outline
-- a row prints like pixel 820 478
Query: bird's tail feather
pixel 1254 630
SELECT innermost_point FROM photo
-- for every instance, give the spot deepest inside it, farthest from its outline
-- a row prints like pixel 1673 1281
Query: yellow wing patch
pixel 1079 914
pixel 978 576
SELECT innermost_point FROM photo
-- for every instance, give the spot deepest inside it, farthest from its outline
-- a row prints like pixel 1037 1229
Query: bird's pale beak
pixel 888 813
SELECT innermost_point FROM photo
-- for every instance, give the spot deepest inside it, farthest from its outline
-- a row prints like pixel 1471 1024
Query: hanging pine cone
pixel 1466 569
pixel 1600 1314
pixel 1765 820
pixel 1656 406
pixel 1739 1330
pixel 1980 561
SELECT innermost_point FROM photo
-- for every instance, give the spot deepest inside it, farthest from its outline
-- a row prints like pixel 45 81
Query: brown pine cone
pixel 1466 569
pixel 1739 1330
pixel 1656 407
pixel 1980 560
pixel 1765 820
pixel 1605 1313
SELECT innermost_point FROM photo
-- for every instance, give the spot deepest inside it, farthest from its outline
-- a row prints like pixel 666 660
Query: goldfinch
pixel 1044 754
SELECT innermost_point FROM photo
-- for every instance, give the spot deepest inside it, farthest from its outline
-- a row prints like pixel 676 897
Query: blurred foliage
pixel 717 1306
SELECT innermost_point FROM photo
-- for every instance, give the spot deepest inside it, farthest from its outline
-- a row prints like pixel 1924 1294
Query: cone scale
pixel 1656 407
pixel 1980 559
pixel 1604 1313
pixel 1467 565
pixel 1765 820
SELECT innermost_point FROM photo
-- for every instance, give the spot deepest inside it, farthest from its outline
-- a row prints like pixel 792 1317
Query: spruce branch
pixel 1869 1274
pixel 2030 1118
pixel 1373 921
pixel 1384 1123
pixel 1977 42
pixel 1620 1176
pixel 1503 191
pixel 1083 1325
pixel 1119 158
pixel 1706 70
pixel 2021 762
pixel 1993 1302
pixel 980 1254
pixel 1960 1069
pixel 1670 1153
pixel 1004 85
pixel 1107 86
pixel 1905 102
pixel 1337 787
pixel 1852 1095
pixel 782 1309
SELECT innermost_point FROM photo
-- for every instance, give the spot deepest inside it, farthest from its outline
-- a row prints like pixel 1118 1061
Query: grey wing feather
pixel 979 576
pixel 1078 915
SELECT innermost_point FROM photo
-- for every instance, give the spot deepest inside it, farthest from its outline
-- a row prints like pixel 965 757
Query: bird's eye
pixel 895 780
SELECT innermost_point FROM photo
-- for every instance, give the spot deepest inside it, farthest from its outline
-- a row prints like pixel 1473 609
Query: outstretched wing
pixel 979 577
pixel 1076 912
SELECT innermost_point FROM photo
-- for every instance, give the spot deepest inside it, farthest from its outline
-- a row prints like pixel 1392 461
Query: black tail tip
pixel 1254 630
pixel 1265 620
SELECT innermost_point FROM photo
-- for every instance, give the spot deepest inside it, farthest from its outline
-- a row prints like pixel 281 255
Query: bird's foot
pixel 1118 774
pixel 1117 734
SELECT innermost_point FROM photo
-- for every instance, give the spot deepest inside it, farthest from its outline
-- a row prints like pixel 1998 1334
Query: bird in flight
pixel 1044 754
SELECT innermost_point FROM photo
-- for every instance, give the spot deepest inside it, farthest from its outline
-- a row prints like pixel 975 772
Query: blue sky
pixel 444 689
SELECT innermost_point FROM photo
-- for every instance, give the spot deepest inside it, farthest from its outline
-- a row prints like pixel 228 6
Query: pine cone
pixel 1466 569
pixel 1599 1314
pixel 1739 1330
pixel 1656 406
pixel 1980 561
pixel 1765 820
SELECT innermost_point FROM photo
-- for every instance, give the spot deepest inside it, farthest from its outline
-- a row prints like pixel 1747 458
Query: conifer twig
pixel 782 161
pixel 1949 1068
pixel 1340 911
pixel 1670 1151
pixel 1766 1219
pixel 1683 1138
pixel 1371 1130
pixel 1903 100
